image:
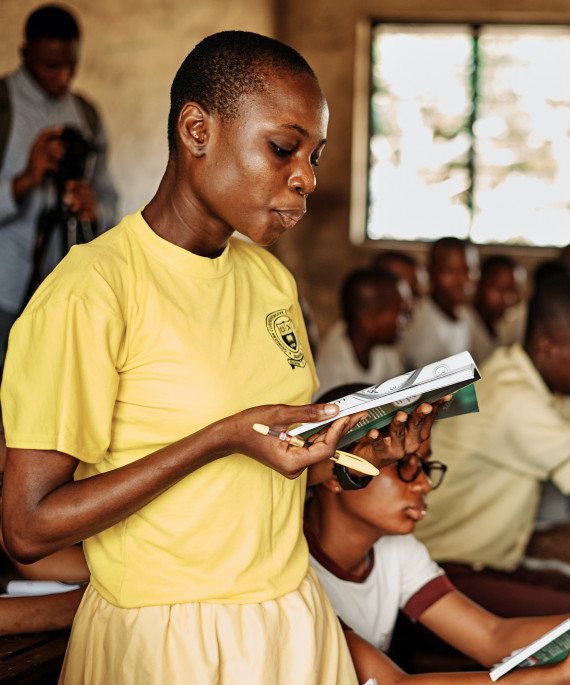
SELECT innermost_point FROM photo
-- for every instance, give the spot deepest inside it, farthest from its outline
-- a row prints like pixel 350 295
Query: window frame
pixel 361 128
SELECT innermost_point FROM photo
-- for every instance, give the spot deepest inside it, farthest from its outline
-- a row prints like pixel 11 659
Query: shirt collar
pixel 31 90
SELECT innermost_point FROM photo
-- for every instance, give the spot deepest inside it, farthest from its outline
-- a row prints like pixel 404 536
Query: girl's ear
pixel 332 485
pixel 320 473
pixel 194 128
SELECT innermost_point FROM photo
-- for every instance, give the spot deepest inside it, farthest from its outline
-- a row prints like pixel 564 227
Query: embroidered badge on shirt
pixel 282 330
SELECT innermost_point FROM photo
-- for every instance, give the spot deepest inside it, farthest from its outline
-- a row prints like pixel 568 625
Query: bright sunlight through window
pixel 469 134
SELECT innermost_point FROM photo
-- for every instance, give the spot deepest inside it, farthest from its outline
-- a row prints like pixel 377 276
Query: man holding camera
pixel 37 110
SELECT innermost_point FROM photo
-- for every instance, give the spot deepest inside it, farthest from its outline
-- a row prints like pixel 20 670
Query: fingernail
pixel 330 409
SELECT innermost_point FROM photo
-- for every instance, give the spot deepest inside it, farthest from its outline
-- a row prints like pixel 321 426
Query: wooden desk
pixel 35 658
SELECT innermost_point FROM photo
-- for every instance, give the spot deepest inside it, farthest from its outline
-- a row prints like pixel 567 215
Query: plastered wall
pixel 131 51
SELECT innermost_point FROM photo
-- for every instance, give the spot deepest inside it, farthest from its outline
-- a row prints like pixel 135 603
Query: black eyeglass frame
pixel 426 467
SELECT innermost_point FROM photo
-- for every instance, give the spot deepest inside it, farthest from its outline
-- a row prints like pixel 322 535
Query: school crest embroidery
pixel 282 330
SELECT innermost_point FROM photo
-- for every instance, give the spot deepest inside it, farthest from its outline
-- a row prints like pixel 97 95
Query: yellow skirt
pixel 293 640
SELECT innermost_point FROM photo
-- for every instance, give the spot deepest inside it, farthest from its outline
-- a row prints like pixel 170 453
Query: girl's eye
pixel 315 162
pixel 282 152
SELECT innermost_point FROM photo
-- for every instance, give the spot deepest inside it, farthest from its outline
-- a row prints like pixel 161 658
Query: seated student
pixel 370 565
pixel 404 265
pixel 498 314
pixel 42 612
pixel 441 325
pixel 362 347
pixel 499 459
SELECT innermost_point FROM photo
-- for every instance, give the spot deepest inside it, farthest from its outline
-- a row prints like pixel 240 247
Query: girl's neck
pixel 175 215
pixel 347 545
pixel 361 346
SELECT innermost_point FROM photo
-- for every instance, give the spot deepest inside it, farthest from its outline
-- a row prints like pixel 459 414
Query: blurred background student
pixel 482 521
pixel 498 313
pixel 363 346
pixel 441 325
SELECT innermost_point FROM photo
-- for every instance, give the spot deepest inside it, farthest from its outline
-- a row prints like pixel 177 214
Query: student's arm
pixel 45 510
pixel 485 637
pixel 35 614
pixel 45 155
pixel 66 565
pixel 370 662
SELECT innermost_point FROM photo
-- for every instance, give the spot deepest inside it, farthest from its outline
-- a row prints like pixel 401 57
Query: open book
pixel 550 648
pixel 406 392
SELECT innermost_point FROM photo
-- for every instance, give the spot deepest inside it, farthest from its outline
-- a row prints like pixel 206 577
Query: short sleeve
pixel 530 436
pixel 60 378
pixel 417 567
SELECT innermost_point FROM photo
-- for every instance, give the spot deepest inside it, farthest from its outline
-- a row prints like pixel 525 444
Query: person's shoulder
pixel 335 333
pixel 405 552
pixel 396 549
pixel 96 272
pixel 507 364
pixel 423 313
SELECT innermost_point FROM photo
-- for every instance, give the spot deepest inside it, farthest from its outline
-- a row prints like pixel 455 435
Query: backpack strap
pixel 5 118
pixel 89 114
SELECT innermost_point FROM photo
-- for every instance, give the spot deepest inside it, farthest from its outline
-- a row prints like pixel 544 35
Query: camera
pixel 59 221
pixel 74 161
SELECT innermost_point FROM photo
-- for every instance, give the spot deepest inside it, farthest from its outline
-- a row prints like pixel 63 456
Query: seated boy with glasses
pixel 359 530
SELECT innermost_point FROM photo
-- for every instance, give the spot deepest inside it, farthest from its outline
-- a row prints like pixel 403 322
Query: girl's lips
pixel 416 513
pixel 289 217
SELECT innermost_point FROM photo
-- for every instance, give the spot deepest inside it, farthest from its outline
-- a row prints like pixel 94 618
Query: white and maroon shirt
pixel 400 575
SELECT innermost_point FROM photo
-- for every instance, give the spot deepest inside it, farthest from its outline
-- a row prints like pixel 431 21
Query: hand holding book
pixel 428 384
pixel 550 648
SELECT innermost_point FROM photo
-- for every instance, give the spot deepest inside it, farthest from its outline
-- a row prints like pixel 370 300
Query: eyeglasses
pixel 409 469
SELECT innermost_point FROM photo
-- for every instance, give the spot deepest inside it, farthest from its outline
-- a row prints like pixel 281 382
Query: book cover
pixel 550 648
pixel 453 375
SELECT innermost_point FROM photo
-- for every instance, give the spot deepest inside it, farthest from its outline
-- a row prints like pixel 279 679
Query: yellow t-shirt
pixel 133 343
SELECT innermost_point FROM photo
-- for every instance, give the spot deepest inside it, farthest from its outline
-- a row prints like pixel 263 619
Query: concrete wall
pixel 131 51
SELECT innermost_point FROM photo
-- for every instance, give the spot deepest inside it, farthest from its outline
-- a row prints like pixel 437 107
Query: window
pixel 462 130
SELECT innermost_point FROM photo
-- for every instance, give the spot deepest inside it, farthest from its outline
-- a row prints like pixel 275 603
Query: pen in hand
pixel 345 458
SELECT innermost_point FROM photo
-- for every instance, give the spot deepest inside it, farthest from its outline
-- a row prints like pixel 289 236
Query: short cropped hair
pixel 359 291
pixel 225 67
pixel 546 270
pixel 385 259
pixel 496 262
pixel 549 308
pixel 448 243
pixel 51 21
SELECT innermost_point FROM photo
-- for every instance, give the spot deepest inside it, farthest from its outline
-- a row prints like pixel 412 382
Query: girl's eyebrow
pixel 302 131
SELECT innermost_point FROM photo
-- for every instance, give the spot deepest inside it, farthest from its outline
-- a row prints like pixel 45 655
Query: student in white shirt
pixel 364 346
pixel 363 550
pixel 441 325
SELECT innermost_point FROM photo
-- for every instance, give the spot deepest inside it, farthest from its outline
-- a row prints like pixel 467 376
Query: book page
pixel 551 647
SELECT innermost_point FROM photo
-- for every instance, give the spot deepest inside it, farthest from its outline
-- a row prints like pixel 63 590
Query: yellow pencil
pixel 345 458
